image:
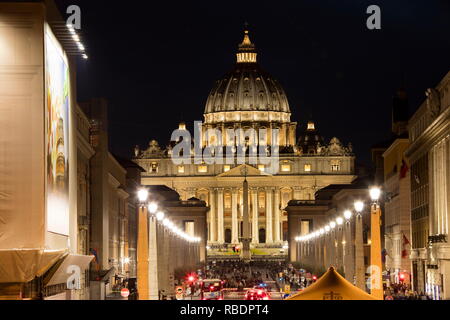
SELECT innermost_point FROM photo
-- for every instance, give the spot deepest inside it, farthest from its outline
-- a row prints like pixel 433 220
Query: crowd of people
pixel 277 274
pixel 240 275
pixel 400 291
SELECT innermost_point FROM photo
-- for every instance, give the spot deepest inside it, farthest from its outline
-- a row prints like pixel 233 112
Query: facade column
pixel 212 216
pixel 269 222
pixel 276 207
pixel 234 216
pixel 255 216
pixel 220 227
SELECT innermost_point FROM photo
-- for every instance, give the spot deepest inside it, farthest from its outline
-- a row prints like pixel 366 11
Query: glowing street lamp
pixel 375 193
pixel 359 206
pixel 142 195
pixel 160 215
pixel 332 224
pixel 339 221
pixel 153 207
pixel 347 215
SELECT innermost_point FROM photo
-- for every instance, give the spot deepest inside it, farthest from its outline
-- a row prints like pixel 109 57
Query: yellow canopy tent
pixel 332 286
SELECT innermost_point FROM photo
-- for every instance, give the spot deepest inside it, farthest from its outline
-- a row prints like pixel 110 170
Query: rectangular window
pixel 261 167
pixel 154 167
pixel 307 168
pixel 189 228
pixel 304 227
pixel 226 168
pixel 202 168
pixel 286 167
pixel 335 165
pixel 180 169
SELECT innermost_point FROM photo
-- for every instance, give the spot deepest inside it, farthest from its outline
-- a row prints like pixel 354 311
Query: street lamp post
pixel 327 240
pixel 376 287
pixel 153 271
pixel 359 249
pixel 142 246
pixel 349 263
pixel 340 248
pixel 333 244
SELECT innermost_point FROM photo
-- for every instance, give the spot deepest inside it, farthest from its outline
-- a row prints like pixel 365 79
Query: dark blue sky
pixel 155 61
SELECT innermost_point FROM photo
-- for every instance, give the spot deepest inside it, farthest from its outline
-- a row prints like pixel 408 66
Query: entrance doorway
pixel 262 235
pixel 227 235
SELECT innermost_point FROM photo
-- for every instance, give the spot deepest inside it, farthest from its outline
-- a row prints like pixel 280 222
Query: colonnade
pixel 273 215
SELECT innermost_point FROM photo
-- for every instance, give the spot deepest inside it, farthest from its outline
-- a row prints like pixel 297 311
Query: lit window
pixel 154 167
pixel 286 167
pixel 261 167
pixel 311 126
pixel 226 168
pixel 180 169
pixel 202 169
pixel 335 165
pixel 307 168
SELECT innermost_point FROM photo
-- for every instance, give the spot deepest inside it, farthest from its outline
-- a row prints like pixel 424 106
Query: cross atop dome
pixel 246 52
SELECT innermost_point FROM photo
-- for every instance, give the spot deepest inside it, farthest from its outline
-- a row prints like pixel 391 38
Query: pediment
pixel 239 171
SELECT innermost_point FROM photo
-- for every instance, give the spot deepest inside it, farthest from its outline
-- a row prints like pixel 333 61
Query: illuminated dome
pixel 247 88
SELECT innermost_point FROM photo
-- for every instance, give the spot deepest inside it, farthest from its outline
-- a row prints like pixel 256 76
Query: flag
pixel 404 169
pixel 405 243
pixel 383 255
pixel 95 254
pixel 405 240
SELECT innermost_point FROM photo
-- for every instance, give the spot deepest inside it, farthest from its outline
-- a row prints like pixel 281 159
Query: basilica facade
pixel 250 98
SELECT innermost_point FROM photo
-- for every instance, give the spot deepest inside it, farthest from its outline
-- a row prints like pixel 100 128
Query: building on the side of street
pixel 429 157
pixel 133 183
pixel 333 247
pixel 397 226
pixel 249 98
pixel 397 221
pixel 41 252
pixel 114 187
pixel 171 256
pixel 84 154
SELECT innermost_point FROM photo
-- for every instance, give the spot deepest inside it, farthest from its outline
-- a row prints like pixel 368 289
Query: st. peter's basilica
pixel 248 97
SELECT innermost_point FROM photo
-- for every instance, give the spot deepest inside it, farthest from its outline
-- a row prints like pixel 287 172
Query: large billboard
pixel 58 105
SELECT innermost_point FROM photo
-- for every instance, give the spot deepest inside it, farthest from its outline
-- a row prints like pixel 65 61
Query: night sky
pixel 156 61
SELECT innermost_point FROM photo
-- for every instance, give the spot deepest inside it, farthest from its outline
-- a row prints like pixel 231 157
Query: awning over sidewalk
pixel 332 286
pixel 23 265
pixel 62 270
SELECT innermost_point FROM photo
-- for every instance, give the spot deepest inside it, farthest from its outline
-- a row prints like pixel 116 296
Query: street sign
pixel 179 293
pixel 125 292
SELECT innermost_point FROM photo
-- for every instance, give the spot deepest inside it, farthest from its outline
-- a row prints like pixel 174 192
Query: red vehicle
pixel 211 289
pixel 256 294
